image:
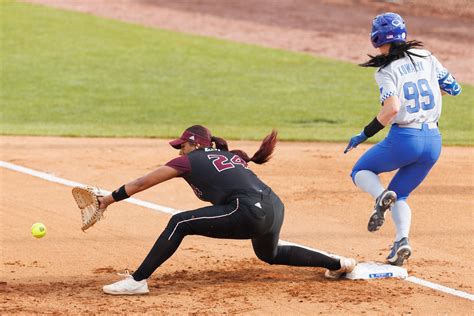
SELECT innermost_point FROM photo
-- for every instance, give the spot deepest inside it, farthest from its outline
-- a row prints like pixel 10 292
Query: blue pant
pixel 413 151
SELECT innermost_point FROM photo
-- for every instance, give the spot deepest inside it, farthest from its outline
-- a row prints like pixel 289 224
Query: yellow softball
pixel 38 230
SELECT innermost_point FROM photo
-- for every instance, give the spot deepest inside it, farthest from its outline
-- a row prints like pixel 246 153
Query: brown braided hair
pixel 261 156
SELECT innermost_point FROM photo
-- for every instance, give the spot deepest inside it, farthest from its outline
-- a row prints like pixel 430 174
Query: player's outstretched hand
pixel 355 141
pixel 87 199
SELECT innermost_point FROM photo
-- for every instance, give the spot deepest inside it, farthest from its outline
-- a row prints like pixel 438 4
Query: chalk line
pixel 69 183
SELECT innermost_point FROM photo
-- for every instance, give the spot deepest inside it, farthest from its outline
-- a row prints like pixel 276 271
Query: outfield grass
pixel 72 74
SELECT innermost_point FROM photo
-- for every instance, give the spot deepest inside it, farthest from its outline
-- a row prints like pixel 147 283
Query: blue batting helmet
pixel 388 28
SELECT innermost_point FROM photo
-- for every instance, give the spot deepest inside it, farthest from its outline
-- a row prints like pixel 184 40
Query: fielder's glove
pixel 355 141
pixel 87 200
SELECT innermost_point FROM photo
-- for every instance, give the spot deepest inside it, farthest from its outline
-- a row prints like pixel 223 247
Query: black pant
pixel 248 215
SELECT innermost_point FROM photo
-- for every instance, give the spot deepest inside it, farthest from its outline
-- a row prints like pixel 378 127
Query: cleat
pixel 384 202
pixel 347 265
pixel 127 286
pixel 400 252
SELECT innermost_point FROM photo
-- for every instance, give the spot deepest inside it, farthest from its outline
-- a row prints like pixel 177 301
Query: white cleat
pixel 400 252
pixel 347 265
pixel 127 286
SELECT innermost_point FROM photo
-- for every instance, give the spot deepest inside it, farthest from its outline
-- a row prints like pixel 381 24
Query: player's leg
pixel 401 216
pixel 233 221
pixel 401 249
pixel 369 182
pixel 219 221
pixel 268 249
pixel 388 155
pixel 410 176
pixel 405 181
pixel 379 158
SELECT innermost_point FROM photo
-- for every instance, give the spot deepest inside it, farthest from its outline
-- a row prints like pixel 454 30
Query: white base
pixel 376 270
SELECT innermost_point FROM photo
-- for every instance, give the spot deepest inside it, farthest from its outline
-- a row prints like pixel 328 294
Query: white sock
pixel 369 182
pixel 401 215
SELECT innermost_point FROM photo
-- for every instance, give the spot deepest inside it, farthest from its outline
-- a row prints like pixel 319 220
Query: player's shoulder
pixel 383 72
pixel 425 55
pixel 420 52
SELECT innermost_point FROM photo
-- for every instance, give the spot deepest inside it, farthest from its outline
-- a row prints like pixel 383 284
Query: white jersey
pixel 416 85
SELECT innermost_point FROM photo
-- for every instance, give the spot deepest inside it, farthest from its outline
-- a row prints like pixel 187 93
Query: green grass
pixel 72 74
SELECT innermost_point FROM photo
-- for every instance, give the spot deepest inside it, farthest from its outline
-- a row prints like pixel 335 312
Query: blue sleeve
pixel 448 83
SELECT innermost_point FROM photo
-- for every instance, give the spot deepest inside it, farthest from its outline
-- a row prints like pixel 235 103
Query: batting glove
pixel 355 141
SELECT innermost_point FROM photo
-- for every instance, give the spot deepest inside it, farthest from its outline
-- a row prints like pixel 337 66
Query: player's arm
pixel 390 109
pixel 155 177
pixel 387 113
pixel 448 84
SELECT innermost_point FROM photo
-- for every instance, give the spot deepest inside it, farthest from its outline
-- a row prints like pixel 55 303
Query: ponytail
pixel 262 155
pixel 397 51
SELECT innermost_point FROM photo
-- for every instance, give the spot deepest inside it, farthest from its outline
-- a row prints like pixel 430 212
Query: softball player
pixel 243 208
pixel 411 82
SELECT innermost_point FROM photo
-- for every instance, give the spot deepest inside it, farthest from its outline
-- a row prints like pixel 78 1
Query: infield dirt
pixel 64 272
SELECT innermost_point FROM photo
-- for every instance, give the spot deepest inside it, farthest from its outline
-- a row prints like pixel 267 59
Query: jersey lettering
pixel 409 68
pixel 196 191
pixel 222 163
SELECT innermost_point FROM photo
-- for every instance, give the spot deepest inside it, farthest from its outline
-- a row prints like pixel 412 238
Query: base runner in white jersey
pixel 411 82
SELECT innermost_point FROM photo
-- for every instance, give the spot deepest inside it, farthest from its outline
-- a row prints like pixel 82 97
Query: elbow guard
pixel 449 84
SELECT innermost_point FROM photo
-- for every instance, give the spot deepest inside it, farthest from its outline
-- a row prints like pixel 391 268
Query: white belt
pixel 430 125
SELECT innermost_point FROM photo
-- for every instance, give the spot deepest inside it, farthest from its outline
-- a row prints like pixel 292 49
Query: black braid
pixel 397 51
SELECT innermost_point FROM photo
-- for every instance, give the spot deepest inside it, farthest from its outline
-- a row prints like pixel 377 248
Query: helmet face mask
pixel 388 28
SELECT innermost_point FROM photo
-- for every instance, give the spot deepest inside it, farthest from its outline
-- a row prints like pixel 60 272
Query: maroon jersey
pixel 216 175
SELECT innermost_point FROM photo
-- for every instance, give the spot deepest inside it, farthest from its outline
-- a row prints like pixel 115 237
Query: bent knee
pixel 266 256
pixel 266 259
pixel 176 225
pixel 402 197
pixel 175 220
pixel 353 174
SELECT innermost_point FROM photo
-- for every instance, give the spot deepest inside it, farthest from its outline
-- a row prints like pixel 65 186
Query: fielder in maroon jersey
pixel 243 207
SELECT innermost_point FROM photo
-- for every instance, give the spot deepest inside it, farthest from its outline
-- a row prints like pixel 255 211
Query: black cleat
pixel 384 202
